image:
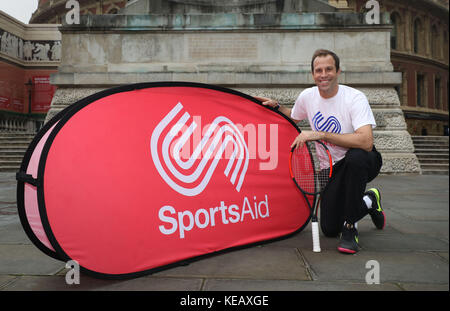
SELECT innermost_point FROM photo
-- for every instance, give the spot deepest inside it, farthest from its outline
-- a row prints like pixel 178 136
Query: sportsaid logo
pixel 186 175
pixel 186 156
pixel 331 124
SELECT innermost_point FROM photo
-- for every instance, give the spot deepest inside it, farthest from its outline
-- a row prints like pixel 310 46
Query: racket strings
pixel 306 169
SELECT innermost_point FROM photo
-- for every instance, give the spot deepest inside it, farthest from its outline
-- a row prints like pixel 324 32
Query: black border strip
pixel 20 193
pixel 127 88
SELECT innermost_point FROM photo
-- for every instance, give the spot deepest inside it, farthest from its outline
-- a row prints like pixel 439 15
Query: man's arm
pixel 274 103
pixel 362 138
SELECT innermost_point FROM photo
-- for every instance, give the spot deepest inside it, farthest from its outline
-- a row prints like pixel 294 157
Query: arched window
pixel 435 51
pixel 418 36
pixel 445 45
pixel 395 19
pixel 437 93
pixel 420 90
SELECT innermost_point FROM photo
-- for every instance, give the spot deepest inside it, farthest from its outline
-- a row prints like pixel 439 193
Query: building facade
pixel 29 54
pixel 419 50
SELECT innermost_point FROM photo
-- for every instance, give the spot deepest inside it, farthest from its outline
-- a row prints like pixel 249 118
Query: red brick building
pixel 419 50
pixel 29 54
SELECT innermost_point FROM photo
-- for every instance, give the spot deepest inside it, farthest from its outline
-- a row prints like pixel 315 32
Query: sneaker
pixel 376 212
pixel 349 240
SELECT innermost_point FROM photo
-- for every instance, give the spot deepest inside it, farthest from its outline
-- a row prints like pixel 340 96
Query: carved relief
pixel 22 50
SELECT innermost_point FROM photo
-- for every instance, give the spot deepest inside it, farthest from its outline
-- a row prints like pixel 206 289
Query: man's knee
pixel 356 154
pixel 357 158
pixel 330 231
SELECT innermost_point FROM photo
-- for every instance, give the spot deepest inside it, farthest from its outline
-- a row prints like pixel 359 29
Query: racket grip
pixel 315 236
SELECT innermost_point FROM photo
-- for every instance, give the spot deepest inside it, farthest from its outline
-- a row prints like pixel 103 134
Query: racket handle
pixel 315 235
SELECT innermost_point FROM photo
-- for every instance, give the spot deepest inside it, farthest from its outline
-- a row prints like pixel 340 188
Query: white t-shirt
pixel 344 113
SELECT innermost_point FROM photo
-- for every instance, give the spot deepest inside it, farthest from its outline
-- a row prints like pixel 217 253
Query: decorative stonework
pixel 29 50
pixel 64 97
pixel 29 44
pixel 400 163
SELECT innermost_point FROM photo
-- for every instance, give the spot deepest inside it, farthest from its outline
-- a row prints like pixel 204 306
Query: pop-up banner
pixel 142 177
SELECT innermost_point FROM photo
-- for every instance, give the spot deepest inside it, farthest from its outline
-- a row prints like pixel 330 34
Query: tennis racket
pixel 304 166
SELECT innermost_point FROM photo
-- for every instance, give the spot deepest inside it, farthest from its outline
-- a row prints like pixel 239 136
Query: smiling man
pixel 341 117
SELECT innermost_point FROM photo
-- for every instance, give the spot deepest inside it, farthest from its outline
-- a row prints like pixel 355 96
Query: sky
pixel 19 9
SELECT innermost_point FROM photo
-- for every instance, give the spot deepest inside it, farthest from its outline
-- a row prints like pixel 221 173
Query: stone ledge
pixel 398 141
pixel 400 163
pixel 378 97
pixel 224 78
pixel 225 21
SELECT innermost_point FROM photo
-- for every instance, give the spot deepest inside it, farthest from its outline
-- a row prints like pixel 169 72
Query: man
pixel 341 117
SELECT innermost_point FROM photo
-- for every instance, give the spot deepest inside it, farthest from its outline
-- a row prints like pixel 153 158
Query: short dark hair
pixel 323 52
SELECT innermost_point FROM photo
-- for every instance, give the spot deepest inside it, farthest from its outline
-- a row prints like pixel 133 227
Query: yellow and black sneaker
pixel 376 212
pixel 349 240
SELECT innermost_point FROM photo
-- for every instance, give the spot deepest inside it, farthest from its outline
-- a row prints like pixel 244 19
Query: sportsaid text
pixel 185 221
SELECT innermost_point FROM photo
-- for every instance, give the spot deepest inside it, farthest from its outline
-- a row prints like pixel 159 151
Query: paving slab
pixel 5 280
pixel 410 267
pixel 303 240
pixel 436 229
pixel 256 262
pixel 12 232
pixel 292 285
pixel 412 252
pixel 423 287
pixel 401 242
pixel 8 193
pixel 26 259
pixel 58 283
pixel 443 255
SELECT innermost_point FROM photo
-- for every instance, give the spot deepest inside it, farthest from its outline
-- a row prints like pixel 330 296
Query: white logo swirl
pixel 184 176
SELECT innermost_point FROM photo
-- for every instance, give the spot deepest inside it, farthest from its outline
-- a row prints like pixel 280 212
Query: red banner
pixel 17 105
pixel 42 94
pixel 144 176
pixel 5 103
pixel 5 100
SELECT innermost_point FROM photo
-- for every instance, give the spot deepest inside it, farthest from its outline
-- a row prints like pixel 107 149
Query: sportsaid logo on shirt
pixel 331 124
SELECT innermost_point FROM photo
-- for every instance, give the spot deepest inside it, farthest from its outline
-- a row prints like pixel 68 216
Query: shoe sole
pixel 384 220
pixel 346 250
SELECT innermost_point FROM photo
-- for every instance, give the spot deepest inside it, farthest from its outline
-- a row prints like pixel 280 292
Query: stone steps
pixel 432 153
pixel 12 149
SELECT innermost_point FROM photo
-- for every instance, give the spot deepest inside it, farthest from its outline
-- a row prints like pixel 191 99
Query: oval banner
pixel 139 178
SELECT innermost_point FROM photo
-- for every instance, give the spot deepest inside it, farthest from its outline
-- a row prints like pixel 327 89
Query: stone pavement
pixel 412 253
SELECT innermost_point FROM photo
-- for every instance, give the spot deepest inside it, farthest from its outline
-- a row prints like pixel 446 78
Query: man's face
pixel 325 75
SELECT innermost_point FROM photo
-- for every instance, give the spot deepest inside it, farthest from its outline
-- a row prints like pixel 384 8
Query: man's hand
pixel 306 136
pixel 274 103
pixel 267 101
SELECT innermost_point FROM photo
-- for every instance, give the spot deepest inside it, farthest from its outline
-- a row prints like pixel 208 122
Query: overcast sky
pixel 19 9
